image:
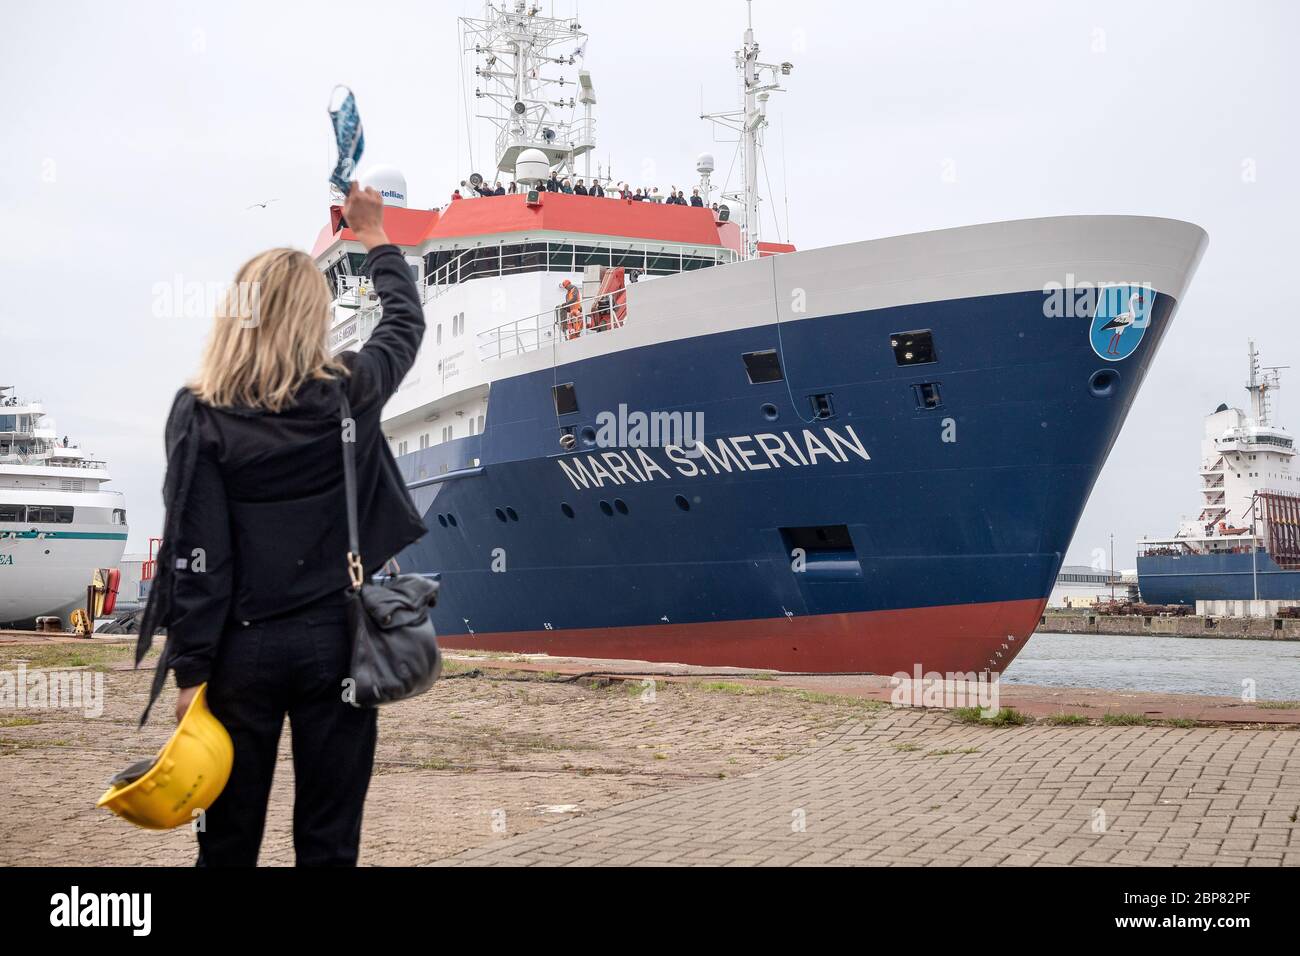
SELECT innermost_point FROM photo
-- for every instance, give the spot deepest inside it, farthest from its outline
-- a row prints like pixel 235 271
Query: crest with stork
pixel 1122 316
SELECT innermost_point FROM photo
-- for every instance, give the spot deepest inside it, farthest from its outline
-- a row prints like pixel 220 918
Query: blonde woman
pixel 253 568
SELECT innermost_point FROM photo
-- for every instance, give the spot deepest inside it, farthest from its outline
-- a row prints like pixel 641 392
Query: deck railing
pixel 603 313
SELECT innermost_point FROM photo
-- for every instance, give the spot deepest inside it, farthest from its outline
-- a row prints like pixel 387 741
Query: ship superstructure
pixel 712 449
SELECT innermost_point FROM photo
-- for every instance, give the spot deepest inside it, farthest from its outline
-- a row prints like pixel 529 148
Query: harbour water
pixel 1160 664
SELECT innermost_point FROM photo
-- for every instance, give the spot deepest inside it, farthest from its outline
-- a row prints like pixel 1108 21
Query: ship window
pixel 629 259
pixel 913 348
pixel 50 514
pixel 591 256
pixel 927 395
pixel 561 258
pixel 566 399
pixel 763 366
pixel 821 405
pixel 13 512
pixel 119 516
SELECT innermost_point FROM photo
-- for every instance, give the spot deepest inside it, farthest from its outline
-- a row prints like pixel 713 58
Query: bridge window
pixel 13 512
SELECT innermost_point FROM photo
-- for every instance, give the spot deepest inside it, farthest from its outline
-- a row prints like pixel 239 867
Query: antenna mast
pixel 521 76
pixel 1260 383
pixel 758 82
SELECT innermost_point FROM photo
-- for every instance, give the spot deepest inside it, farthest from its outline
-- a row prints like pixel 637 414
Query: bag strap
pixel 348 435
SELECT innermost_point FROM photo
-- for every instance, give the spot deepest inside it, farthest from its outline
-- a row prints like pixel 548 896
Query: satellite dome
pixel 704 164
pixel 389 181
pixel 532 167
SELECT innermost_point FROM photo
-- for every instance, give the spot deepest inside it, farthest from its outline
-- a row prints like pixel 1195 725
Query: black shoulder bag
pixel 394 649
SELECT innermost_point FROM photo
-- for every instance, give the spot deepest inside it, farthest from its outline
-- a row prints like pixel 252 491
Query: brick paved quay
pixel 914 788
pixel 518 766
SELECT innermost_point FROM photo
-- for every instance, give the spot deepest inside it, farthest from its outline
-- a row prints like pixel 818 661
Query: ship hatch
pixel 913 348
pixel 822 552
pixel 763 367
pixel 566 399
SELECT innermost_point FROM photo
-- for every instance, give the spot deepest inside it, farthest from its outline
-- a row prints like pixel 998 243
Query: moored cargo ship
pixel 1241 553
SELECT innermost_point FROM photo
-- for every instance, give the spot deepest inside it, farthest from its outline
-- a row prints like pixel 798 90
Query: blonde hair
pixel 268 335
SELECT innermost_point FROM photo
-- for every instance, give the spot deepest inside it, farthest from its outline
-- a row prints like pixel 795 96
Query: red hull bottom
pixel 953 638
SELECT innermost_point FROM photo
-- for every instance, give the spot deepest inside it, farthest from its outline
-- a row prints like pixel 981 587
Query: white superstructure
pixel 57 525
pixel 1243 454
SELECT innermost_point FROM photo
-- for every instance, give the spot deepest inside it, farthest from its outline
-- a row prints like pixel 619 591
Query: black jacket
pixel 255 524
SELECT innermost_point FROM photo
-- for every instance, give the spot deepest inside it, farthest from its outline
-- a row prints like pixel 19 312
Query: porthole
pixel 682 503
pixel 620 506
pixel 501 516
pixel 442 520
pixel 567 509
pixel 451 519
pixel 588 435
pixel 606 509
pixel 512 514
pixel 1103 382
pixel 770 412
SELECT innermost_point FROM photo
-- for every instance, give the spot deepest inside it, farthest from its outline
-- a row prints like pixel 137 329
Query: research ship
pixel 57 524
pixel 641 430
pixel 1241 552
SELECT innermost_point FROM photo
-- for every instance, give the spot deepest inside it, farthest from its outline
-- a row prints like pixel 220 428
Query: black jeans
pixel 294 665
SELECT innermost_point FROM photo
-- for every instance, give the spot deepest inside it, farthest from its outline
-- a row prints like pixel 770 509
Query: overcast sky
pixel 136 134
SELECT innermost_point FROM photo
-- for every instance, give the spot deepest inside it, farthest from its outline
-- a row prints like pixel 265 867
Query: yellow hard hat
pixel 188 774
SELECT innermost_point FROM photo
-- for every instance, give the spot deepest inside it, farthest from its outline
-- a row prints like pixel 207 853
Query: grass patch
pixel 1006 717
pixel 18 722
pixel 1065 720
pixel 435 763
pixel 1278 704
pixel 727 687
pixel 58 656
pixel 840 700
pixel 906 748
pixel 1184 722
pixel 1125 720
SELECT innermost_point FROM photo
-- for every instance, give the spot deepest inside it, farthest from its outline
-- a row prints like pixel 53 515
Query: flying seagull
pixel 261 205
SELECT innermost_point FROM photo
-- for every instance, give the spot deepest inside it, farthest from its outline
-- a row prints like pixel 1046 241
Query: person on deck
pixel 695 198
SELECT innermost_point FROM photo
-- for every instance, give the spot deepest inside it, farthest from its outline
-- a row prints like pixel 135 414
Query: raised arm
pixel 390 351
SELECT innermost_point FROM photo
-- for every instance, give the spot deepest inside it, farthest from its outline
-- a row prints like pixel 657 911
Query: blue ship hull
pixel 957 521
pixel 1186 579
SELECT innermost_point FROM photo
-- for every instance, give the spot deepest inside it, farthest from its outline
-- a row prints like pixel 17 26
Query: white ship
pixel 57 524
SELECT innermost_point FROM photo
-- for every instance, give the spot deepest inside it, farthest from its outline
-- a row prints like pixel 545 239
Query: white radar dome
pixel 532 167
pixel 389 181
pixel 704 165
